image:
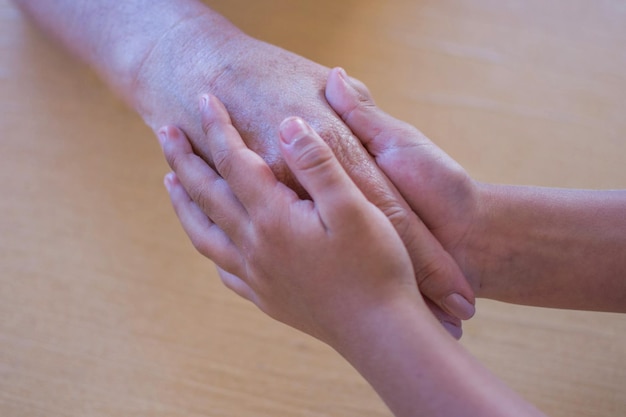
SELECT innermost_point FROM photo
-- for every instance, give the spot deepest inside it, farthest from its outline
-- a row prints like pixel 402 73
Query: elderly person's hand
pixel 529 245
pixel 317 265
pixel 261 85
pixel 161 55
pixel 332 266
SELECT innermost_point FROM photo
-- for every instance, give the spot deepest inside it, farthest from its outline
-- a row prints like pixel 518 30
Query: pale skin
pixel 546 247
pixel 160 55
pixel 362 300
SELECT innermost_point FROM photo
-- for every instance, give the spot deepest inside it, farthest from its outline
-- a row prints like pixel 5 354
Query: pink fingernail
pixel 162 136
pixel 204 102
pixel 346 80
pixel 459 306
pixel 168 181
pixel 343 74
pixel 292 129
pixel 454 330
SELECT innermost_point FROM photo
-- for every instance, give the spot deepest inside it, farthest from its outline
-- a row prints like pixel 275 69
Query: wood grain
pixel 105 308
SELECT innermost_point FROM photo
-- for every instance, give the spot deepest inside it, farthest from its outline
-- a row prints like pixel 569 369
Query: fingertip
pixel 292 129
pixel 166 133
pixel 212 110
pixel 315 166
pixel 170 132
pixel 459 306
pixel 339 74
pixel 301 146
pixel 306 154
pixel 338 90
pixel 162 135
pixel 174 142
pixel 170 181
pixel 343 76
pixel 453 329
pixel 204 103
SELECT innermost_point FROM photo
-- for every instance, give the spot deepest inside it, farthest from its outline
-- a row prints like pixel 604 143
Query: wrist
pixel 463 231
pixel 418 369
pixel 540 246
pixel 182 64
pixel 482 252
pixel 359 339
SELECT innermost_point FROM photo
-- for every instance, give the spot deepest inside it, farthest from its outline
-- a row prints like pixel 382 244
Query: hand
pixel 333 266
pixel 261 85
pixel 315 265
pixel 436 187
pixel 160 55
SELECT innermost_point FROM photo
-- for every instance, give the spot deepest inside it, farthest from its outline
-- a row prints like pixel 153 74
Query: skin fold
pixel 362 300
pixel 160 56
pixel 547 247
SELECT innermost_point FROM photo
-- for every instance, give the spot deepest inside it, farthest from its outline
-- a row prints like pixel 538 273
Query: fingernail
pixel 292 129
pixel 453 329
pixel 457 305
pixel 162 136
pixel 342 73
pixel 168 181
pixel 204 102
pixel 345 78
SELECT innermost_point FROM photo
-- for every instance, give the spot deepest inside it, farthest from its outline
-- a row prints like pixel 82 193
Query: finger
pixel 378 131
pixel 247 174
pixel 237 285
pixel 207 189
pixel 337 198
pixel 315 166
pixel 450 323
pixel 437 274
pixel 205 235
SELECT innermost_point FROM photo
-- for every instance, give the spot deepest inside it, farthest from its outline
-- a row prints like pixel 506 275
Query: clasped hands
pixel 321 264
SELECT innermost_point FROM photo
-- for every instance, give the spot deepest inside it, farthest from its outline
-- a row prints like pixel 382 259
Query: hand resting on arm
pixel 529 245
pixel 333 266
pixel 160 55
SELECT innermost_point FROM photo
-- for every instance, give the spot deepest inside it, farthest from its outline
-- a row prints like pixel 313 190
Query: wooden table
pixel 106 309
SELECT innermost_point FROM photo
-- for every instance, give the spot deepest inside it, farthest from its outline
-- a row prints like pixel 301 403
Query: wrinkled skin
pixel 261 85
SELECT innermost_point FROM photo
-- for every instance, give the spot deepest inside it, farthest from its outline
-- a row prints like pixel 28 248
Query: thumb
pixel 315 166
pixel 378 131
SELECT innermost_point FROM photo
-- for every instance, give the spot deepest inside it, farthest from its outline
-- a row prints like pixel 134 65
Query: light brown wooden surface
pixel 105 308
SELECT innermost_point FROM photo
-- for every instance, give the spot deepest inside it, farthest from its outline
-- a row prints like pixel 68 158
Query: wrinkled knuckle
pixel 208 124
pixel 363 104
pixel 361 88
pixel 202 245
pixel 365 100
pixel 314 157
pixel 223 160
pixel 426 275
pixel 172 157
pixel 196 191
pixel 398 216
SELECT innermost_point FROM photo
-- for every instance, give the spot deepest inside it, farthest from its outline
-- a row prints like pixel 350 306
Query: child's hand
pixel 319 265
pixel 436 187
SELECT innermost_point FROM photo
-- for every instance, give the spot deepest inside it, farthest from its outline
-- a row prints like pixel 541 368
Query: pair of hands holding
pixel 319 264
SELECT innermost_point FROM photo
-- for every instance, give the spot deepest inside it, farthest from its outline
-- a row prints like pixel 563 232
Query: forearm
pixel 418 370
pixel 552 247
pixel 160 56
pixel 116 38
pixel 163 55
